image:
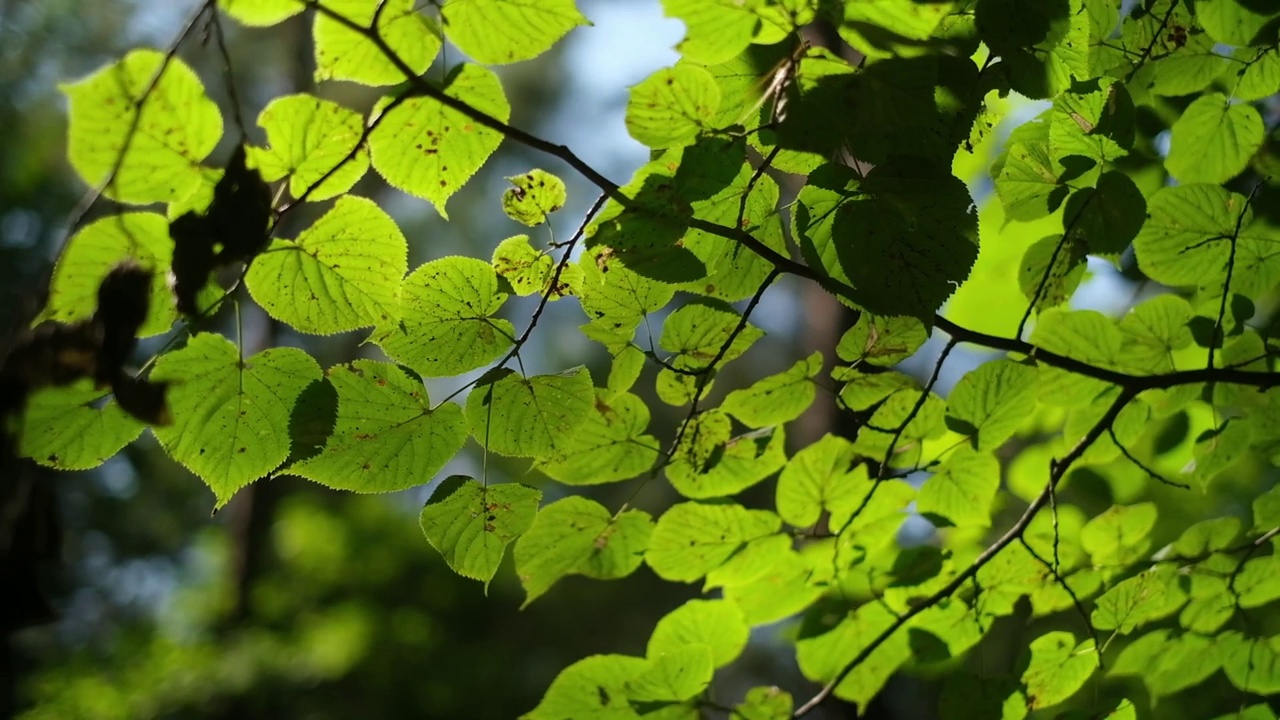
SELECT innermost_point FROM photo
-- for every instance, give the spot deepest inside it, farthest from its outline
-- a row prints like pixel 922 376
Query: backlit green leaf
pixel 342 273
pixel 471 524
pixel 1251 664
pixel 882 341
pixel 1120 534
pixel 530 416
pixel 154 150
pixel 670 107
pixel 1149 596
pixel 609 446
pixel 496 32
pixel 778 398
pixel 962 490
pixel 429 150
pixel 691 539
pixel 230 416
pixel 387 437
pixel 765 703
pixel 535 196
pixel 991 402
pixel 717 30
pixel 674 675
pixel 821 477
pixel 345 54
pixel 594 687
pixel 447 324
pixel 717 624
pixel 260 13
pixel 709 463
pixel 1213 140
pixel 1058 668
pixel 95 250
pixel 579 536
pixel 64 428
pixel 308 138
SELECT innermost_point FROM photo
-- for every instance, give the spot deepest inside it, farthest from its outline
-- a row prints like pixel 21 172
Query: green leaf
pixel 579 536
pixel 716 30
pixel 1085 335
pixel 675 675
pixel 1219 448
pixel 890 27
pixel 991 402
pixel 342 273
pixel 616 296
pixel 230 416
pixel 764 703
pixel 496 32
pixel 1257 582
pixel 776 399
pixel 1186 239
pixel 758 559
pixel 1096 123
pixel 1207 536
pixel 261 13
pixel 881 341
pixel 1182 661
pixel 1155 329
pixel 526 269
pixel 1213 140
pixel 447 324
pixel 896 428
pixel 471 524
pixel 535 196
pixel 387 437
pixel 699 330
pixel 64 428
pixel 429 150
pixel 670 107
pixel 1051 270
pixel 625 370
pixel 692 539
pixel 609 446
pixel 863 390
pixel 1120 534
pixel 1029 183
pixel 709 463
pixel 1106 219
pixel 102 245
pixel 962 490
pixel 344 54
pixel 1266 510
pixel 1234 22
pixel 1058 668
pixel 717 624
pixel 909 240
pixel 1251 664
pixel 822 477
pixel 307 139
pixel 592 688
pixel 821 656
pixel 1141 599
pixel 530 416
pixel 154 148
pixel 1258 76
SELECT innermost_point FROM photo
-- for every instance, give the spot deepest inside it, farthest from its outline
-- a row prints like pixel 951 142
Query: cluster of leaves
pixel 1148 155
